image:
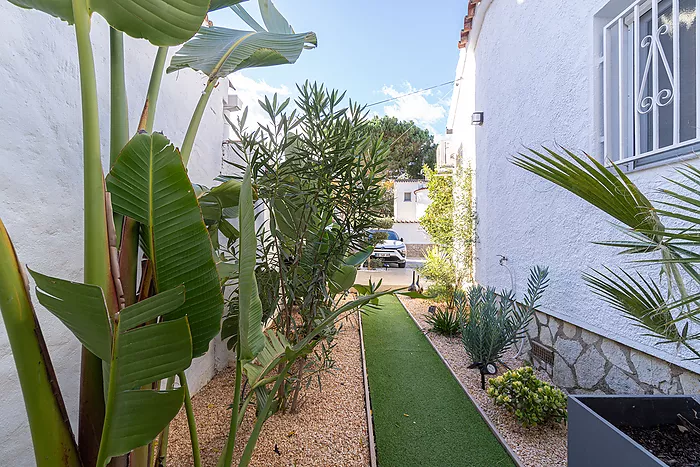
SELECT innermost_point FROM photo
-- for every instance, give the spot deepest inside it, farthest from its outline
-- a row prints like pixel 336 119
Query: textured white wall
pixel 531 71
pixel 41 173
pixel 406 210
pixel 412 233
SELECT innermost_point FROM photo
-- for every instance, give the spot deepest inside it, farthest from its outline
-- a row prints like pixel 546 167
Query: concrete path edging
pixel 368 405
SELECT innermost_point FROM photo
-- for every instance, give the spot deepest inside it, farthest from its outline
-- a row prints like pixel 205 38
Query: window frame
pixel 622 137
pixel 410 196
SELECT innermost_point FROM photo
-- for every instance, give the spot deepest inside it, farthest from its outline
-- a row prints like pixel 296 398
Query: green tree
pixel 411 147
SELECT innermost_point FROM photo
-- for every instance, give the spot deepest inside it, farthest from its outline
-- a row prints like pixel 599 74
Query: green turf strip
pixel 421 415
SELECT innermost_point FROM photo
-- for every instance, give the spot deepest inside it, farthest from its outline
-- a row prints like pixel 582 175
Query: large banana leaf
pixel 62 9
pixel 219 4
pixel 250 334
pixel 149 184
pixel 81 307
pixel 162 22
pixel 273 19
pixel 142 355
pixel 219 51
pixel 52 437
pixel 138 355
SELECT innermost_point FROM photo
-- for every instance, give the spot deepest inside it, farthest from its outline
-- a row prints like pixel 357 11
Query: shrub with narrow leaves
pixel 444 321
pixel 532 401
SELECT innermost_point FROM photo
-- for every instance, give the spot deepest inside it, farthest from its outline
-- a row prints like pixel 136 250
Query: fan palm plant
pixel 668 231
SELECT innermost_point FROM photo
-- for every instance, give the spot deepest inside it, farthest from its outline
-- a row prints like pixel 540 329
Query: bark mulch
pixel 330 429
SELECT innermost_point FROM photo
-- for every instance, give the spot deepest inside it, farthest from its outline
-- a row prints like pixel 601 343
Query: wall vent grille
pixel 542 353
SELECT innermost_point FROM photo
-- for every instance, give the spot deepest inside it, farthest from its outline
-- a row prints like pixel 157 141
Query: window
pixel 651 82
pixel 407 196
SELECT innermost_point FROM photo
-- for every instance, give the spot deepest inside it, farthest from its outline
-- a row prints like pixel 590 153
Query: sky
pixel 373 49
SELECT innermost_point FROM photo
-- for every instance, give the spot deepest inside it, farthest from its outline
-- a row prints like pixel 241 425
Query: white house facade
pixel 410 202
pixel 41 176
pixel 553 72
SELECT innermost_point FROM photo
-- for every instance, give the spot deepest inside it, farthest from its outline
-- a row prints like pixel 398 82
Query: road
pixel 392 275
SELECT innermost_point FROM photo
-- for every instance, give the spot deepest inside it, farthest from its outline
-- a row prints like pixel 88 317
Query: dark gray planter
pixel 594 440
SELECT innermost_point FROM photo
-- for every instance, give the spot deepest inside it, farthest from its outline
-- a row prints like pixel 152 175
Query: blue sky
pixel 374 49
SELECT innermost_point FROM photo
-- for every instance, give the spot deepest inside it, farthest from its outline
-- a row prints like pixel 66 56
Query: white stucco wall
pixel 406 210
pixel 41 174
pixel 530 67
pixel 412 233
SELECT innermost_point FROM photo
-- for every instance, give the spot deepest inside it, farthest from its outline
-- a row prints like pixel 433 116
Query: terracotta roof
pixel 464 33
pixel 410 180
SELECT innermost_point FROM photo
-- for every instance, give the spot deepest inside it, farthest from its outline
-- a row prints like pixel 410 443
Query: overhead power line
pixel 413 92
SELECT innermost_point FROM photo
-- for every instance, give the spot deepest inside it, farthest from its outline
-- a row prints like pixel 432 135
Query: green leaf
pixel 359 257
pixel 52 437
pixel 62 9
pixel 343 278
pixel 639 298
pixel 161 22
pixel 81 307
pixel 251 338
pixel 219 51
pixel 590 180
pixel 228 193
pixel 268 358
pixel 149 184
pixel 273 19
pixel 141 356
pixel 249 20
pixel 219 4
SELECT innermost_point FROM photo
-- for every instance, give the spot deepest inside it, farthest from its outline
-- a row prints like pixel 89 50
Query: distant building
pixel 410 202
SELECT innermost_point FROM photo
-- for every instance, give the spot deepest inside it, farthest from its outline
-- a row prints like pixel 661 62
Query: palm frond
pixel 639 298
pixel 590 180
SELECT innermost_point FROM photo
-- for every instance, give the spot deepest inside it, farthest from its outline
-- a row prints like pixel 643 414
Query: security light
pixel 478 118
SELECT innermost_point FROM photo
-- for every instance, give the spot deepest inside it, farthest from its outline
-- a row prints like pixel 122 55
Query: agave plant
pixel 149 207
pixel 490 323
pixel 668 231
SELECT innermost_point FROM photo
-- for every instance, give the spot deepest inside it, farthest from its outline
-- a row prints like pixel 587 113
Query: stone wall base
pixel 588 363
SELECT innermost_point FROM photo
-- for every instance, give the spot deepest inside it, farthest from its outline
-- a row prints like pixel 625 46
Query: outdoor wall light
pixel 478 118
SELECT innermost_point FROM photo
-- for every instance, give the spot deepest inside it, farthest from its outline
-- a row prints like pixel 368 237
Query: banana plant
pixel 112 236
pixel 48 420
pixel 218 52
pixel 135 355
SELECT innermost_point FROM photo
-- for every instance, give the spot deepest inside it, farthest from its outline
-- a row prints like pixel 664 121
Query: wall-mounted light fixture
pixel 478 118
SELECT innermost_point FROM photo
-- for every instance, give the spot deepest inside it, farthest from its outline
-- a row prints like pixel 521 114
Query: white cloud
pixel 414 107
pixel 250 91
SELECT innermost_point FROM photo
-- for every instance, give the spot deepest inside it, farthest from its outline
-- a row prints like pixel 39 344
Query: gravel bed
pixel 542 446
pixel 329 430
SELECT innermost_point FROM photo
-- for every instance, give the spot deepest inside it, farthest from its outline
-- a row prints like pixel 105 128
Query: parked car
pixel 389 251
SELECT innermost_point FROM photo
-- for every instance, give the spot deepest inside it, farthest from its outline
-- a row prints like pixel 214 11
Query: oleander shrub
pixel 531 400
pixel 444 321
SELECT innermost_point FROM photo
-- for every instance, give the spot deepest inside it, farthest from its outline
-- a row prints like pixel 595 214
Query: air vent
pixel 542 353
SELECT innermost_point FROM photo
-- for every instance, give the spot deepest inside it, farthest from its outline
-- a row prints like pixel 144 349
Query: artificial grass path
pixel 421 415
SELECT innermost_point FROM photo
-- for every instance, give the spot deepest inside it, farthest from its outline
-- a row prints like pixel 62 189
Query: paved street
pixel 392 275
